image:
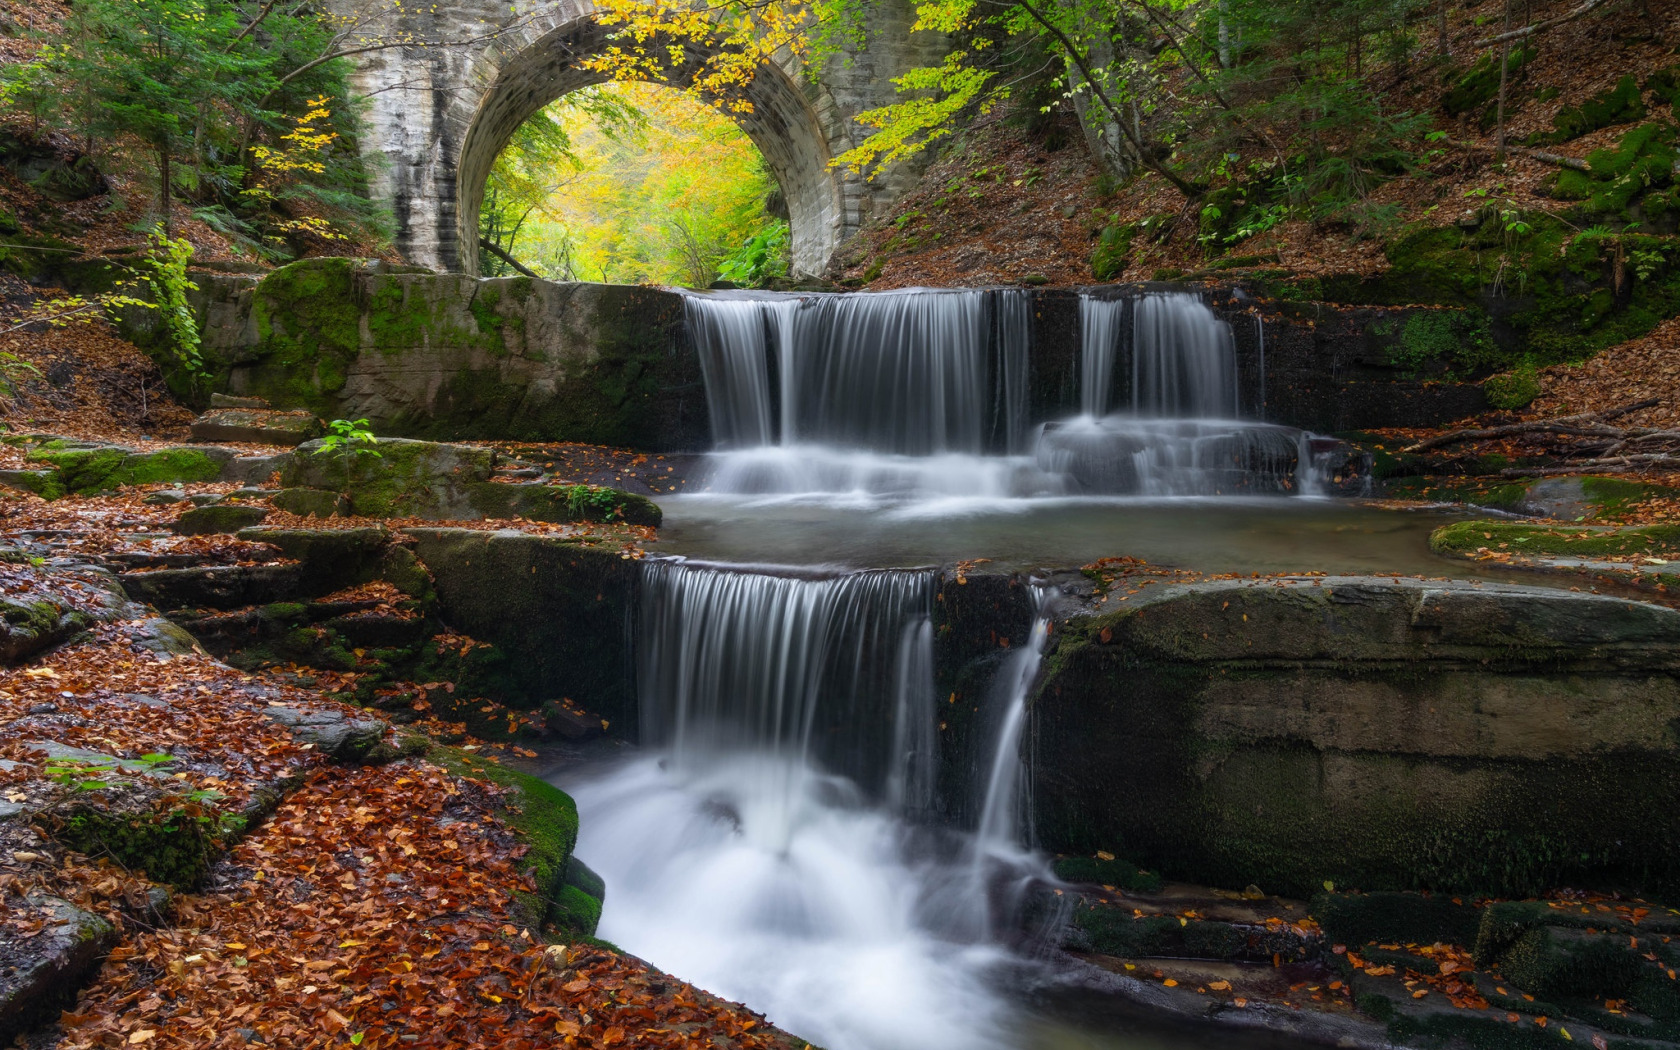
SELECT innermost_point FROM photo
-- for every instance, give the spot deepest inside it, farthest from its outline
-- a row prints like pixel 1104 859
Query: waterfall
pixel 729 337
pixel 833 671
pixel 1099 342
pixel 1184 361
pixel 928 395
pixel 768 851
pixel 1002 825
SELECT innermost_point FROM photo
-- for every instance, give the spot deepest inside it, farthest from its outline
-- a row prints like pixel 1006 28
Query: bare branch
pixel 1541 27
pixel 1576 425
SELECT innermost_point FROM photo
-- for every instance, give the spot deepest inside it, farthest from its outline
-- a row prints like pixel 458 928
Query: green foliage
pixel 165 271
pixel 1113 251
pixel 1515 389
pixel 760 260
pixel 243 106
pixel 348 437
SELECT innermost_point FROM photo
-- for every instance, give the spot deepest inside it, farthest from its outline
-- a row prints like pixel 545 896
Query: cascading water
pixel 769 852
pixel 912 396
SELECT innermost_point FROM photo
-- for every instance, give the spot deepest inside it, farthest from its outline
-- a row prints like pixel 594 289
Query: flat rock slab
pixel 48 949
pixel 256 426
pixel 347 738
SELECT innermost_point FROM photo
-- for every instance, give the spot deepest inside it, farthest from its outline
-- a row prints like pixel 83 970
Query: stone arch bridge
pixel 440 114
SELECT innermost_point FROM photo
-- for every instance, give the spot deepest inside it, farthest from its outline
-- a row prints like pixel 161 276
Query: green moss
pixel 1616 496
pixel 546 819
pixel 1576 541
pixel 1404 918
pixel 576 912
pixel 218 517
pixel 1621 104
pixel 1554 963
pixel 88 470
pixel 308 325
pixel 1113 251
pixel 171 847
pixel 1098 872
pixel 563 503
pixel 1513 390
pixel 1480 83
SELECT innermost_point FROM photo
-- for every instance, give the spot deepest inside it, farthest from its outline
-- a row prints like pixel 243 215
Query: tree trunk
pixel 163 187
pixel 1443 44
pixel 1224 37
pixel 1504 78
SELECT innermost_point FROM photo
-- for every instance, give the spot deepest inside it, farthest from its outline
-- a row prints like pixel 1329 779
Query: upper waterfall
pixel 945 394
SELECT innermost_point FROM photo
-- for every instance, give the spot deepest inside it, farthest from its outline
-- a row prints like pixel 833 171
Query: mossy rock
pixel 563 503
pixel 546 819
pixel 1560 963
pixel 1404 918
pixel 398 478
pixel 1621 104
pixel 1478 85
pixel 1113 251
pixel 310 503
pixel 170 846
pixel 1468 538
pixel 217 518
pixel 85 471
pixel 308 323
pixel 1095 871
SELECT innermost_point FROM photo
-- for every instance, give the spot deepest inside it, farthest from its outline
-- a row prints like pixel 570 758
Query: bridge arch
pixel 438 116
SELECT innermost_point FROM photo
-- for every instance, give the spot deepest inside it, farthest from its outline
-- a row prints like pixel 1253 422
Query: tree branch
pixel 1541 27
pixel 1570 425
pixel 505 257
pixel 1085 71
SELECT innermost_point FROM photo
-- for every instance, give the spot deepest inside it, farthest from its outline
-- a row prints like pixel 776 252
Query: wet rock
pixel 256 426
pixel 1366 731
pixel 29 624
pixel 39 976
pixel 215 586
pixel 219 517
pixel 345 737
pixel 562 503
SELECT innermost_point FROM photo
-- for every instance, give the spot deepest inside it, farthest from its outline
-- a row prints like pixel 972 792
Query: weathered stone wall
pixel 438 115
pixel 448 356
pixel 1379 734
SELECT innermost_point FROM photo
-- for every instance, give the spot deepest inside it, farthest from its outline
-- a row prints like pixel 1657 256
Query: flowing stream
pixel 776 846
pixel 788 836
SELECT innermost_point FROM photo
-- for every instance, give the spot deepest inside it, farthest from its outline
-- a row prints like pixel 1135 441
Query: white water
pixel 739 858
pixel 909 397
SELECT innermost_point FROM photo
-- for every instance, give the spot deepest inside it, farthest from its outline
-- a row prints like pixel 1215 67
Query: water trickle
pixel 1100 328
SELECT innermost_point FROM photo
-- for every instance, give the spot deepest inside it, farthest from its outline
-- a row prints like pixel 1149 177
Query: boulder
pixel 345 737
pixel 397 478
pixel 215 586
pixel 230 401
pixel 310 503
pixel 101 468
pixel 1389 734
pixel 218 517
pixel 256 426
pixel 39 976
pixel 557 608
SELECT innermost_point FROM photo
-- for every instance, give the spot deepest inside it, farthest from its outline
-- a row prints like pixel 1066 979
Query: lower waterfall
pixel 773 844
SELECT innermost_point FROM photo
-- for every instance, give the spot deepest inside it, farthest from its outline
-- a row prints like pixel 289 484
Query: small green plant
pixel 761 259
pixel 166 272
pixel 79 774
pixel 348 437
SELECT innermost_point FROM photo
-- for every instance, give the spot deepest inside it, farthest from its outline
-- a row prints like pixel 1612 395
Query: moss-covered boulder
pixel 1479 538
pixel 219 517
pixel 397 478
pixel 42 973
pixel 88 470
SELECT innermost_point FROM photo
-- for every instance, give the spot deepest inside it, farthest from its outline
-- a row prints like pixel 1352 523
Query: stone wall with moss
pixel 450 357
pixel 1378 734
